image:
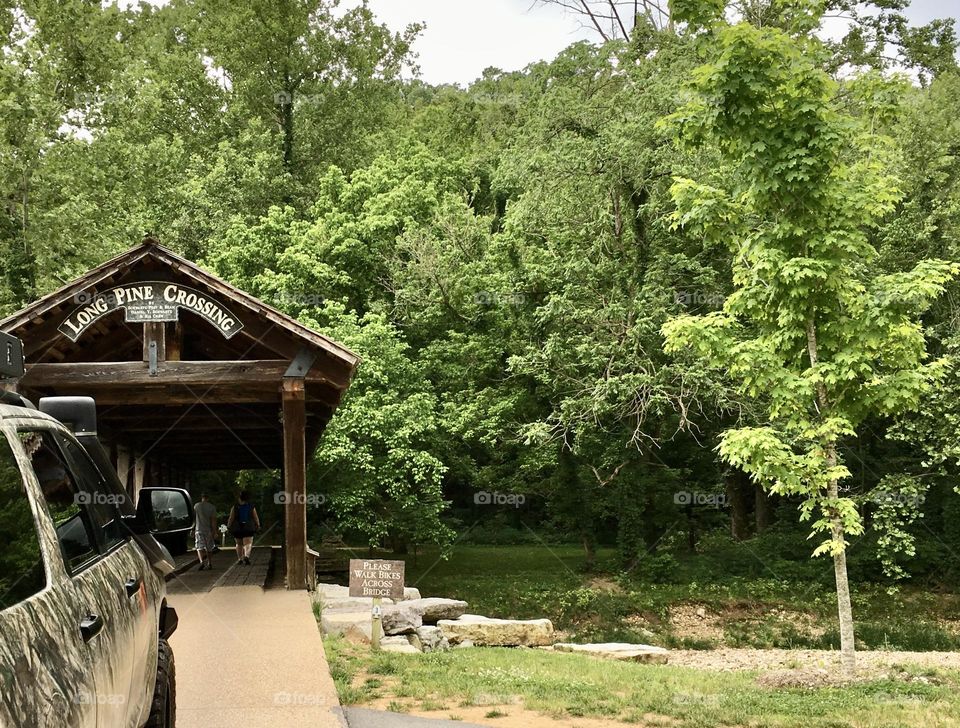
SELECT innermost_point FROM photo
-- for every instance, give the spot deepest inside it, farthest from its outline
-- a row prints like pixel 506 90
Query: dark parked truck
pixel 84 619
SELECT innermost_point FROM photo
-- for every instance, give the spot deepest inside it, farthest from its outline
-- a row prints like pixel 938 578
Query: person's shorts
pixel 205 541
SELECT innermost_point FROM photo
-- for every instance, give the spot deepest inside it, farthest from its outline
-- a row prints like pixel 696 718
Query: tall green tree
pixel 811 328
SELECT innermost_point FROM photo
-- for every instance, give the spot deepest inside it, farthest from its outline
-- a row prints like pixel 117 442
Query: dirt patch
pixel 516 716
pixel 801 621
pixel 694 621
pixel 810 664
pixel 604 584
pixel 950 625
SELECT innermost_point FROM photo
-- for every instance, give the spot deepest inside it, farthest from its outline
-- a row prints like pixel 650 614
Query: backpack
pixel 243 521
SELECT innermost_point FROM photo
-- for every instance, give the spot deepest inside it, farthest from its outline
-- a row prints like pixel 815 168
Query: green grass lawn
pixel 567 686
pixel 549 581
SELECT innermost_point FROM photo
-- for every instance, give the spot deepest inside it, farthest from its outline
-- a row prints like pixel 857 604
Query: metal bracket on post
pixel 301 363
pixel 152 356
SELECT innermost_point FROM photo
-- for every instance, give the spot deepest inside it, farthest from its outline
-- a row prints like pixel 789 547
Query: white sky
pixel 463 37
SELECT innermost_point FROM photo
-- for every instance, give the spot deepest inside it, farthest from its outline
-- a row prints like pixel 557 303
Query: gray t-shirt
pixel 205 510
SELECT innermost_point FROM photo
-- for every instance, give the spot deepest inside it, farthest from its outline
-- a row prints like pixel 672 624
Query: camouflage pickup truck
pixel 84 619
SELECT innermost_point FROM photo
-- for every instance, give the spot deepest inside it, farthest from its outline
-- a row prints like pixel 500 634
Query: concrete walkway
pixel 363 718
pixel 251 657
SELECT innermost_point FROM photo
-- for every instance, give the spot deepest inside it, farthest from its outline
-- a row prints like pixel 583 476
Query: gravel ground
pixel 808 665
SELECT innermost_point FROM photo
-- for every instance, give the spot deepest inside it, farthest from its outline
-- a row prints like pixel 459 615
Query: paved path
pixel 252 658
pixel 225 572
pixel 249 657
pixel 363 718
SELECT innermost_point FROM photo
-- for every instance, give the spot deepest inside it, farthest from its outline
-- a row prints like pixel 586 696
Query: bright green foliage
pixel 504 255
pixel 373 464
pixel 811 327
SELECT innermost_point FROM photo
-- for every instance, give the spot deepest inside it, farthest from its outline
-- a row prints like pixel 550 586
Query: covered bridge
pixel 189 373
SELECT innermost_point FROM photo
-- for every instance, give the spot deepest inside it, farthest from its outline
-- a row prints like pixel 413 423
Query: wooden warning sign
pixel 376 578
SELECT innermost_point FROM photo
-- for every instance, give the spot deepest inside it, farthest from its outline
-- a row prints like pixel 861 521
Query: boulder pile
pixel 415 625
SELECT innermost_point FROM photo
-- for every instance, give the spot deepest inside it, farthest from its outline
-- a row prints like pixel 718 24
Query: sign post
pixel 376 578
pixel 376 614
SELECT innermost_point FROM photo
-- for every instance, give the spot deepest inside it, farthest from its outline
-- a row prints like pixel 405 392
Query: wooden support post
pixel 123 468
pixel 295 481
pixel 174 341
pixel 139 466
pixel 155 332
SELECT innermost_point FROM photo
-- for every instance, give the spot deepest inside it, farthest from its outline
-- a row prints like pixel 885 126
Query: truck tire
pixel 163 709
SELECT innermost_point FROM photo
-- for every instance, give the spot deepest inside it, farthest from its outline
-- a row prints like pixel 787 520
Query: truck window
pixel 102 502
pixel 21 561
pixel 65 502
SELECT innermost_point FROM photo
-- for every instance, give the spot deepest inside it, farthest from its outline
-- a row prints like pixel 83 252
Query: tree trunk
pixel 735 486
pixel 762 508
pixel 589 551
pixel 286 111
pixel 848 653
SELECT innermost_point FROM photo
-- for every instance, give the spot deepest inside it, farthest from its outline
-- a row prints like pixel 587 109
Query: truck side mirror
pixel 11 357
pixel 165 510
pixel 168 513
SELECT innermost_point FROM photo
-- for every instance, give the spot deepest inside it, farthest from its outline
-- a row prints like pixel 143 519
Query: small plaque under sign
pixel 146 311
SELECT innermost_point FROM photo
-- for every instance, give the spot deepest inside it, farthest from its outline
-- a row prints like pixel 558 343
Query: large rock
pixel 398 644
pixel 334 596
pixel 407 616
pixel 432 639
pixel 352 624
pixel 401 618
pixel 618 651
pixel 484 631
pixel 433 609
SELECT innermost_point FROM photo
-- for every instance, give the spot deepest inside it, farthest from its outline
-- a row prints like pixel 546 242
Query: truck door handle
pixel 133 586
pixel 90 626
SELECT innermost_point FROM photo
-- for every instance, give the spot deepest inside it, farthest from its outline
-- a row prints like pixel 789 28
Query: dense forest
pixel 583 292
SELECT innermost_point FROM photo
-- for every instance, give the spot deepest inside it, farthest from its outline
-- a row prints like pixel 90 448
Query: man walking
pixel 206 528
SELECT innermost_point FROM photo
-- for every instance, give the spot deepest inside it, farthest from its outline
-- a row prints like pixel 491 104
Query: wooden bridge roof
pixel 211 398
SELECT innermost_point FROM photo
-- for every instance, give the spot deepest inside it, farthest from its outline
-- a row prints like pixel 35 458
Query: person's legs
pixel 205 548
pixel 247 547
pixel 239 548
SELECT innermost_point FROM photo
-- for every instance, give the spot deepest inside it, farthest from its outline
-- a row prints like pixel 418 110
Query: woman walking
pixel 243 524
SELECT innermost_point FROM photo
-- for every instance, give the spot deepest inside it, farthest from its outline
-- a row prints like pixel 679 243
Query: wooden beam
pixel 295 482
pixel 193 373
pixel 196 424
